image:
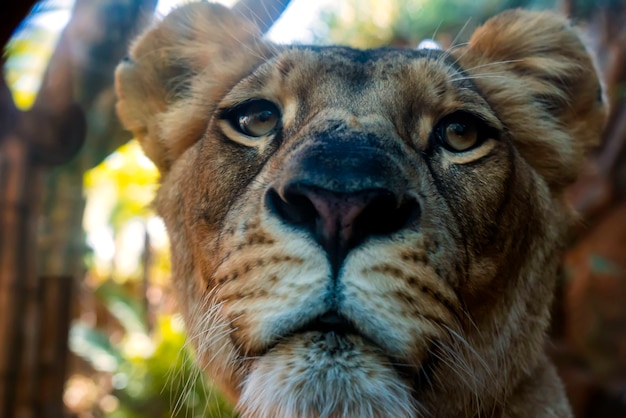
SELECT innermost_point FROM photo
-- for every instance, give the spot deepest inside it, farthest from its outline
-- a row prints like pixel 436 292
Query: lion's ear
pixel 177 71
pixel 539 78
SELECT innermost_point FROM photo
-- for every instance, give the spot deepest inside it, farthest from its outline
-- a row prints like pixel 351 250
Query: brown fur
pixel 450 309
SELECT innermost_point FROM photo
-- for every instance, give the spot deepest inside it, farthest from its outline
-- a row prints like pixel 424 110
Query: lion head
pixel 366 233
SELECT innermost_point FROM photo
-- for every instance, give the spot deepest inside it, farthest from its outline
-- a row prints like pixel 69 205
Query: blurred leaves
pixel 94 346
pixel 130 177
pixel 150 374
pixel 119 220
pixel 372 23
pixel 124 306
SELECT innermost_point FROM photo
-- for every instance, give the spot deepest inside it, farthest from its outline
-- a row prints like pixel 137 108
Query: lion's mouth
pixel 329 322
pixel 338 334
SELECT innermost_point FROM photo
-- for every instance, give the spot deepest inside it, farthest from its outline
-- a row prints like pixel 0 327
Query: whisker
pixel 489 64
pixel 477 77
pixel 460 32
pixel 469 347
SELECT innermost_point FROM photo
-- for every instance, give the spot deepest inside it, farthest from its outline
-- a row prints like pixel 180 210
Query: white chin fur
pixel 317 375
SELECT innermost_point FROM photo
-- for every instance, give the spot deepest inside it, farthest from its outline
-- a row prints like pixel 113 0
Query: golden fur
pixel 348 262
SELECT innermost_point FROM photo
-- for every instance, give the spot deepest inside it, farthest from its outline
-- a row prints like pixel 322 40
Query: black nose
pixel 341 221
pixel 342 193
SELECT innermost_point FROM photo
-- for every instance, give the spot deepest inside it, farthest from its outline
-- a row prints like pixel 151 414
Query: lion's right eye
pixel 255 118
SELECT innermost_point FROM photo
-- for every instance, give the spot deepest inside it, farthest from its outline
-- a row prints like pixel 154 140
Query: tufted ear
pixel 178 70
pixel 538 77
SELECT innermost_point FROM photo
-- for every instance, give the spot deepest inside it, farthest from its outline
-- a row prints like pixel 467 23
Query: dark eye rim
pixel 484 131
pixel 233 114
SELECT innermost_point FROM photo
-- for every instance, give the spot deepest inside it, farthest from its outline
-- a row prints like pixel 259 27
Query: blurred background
pixel 88 325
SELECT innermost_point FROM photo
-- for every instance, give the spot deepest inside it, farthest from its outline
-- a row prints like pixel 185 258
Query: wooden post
pixel 56 295
pixel 18 283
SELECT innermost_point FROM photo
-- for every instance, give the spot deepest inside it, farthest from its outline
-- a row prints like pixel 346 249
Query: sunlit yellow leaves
pixel 130 179
pixel 119 221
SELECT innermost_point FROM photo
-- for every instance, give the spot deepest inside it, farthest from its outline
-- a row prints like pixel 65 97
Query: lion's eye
pixel 460 132
pixel 255 118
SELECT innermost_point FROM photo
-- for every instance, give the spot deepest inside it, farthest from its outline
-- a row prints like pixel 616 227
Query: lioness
pixel 366 233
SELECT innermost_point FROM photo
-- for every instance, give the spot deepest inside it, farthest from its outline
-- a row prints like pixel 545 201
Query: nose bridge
pixel 346 158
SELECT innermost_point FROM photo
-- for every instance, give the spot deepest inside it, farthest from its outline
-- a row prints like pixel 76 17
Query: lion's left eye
pixel 255 118
pixel 460 132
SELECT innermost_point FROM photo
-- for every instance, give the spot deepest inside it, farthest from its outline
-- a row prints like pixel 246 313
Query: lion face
pixel 365 233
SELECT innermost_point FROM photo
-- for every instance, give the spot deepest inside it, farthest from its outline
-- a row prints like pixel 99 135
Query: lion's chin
pixel 328 375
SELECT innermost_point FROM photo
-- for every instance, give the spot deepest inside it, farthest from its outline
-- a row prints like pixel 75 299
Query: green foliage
pixel 372 23
pixel 152 374
pixel 95 347
pixel 124 306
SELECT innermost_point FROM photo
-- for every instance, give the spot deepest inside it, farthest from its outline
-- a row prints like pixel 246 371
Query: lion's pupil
pixel 458 128
pixel 265 116
pixel 257 120
pixel 460 136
